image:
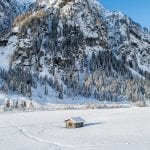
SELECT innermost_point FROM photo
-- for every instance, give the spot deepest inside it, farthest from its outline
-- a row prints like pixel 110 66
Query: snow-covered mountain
pixel 75 49
pixel 131 41
pixel 9 9
pixel 25 4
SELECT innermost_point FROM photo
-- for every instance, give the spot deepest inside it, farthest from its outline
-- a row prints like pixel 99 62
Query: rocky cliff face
pixel 129 41
pixel 76 48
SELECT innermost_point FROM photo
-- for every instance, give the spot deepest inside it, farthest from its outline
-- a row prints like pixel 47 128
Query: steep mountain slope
pixel 9 9
pixel 131 43
pixel 76 49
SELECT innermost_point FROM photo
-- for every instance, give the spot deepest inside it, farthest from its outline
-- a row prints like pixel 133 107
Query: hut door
pixel 70 124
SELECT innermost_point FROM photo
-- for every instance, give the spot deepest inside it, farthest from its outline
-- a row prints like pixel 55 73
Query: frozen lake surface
pixel 105 129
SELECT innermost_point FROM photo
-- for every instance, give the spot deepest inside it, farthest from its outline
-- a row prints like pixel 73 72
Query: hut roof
pixel 76 120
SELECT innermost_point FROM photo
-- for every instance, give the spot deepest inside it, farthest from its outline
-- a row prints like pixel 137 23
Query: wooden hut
pixel 74 122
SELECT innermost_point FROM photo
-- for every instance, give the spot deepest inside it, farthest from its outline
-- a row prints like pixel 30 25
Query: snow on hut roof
pixel 76 119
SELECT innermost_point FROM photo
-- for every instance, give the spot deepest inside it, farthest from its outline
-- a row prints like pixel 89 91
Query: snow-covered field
pixel 105 129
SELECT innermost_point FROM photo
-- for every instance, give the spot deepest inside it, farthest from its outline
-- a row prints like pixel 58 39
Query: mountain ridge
pixel 77 49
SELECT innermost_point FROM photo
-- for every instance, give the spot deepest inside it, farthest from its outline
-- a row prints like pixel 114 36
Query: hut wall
pixel 78 125
pixel 69 124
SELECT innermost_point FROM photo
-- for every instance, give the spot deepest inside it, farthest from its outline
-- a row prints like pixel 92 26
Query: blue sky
pixel 138 10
